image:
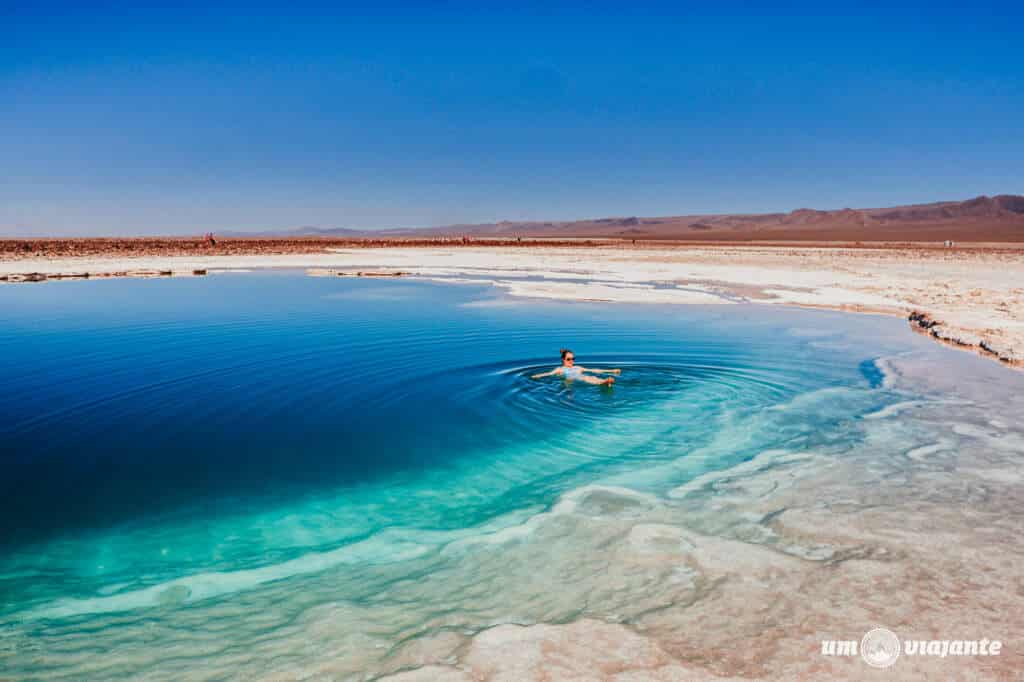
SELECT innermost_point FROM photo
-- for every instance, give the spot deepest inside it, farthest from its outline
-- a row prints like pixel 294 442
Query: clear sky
pixel 183 120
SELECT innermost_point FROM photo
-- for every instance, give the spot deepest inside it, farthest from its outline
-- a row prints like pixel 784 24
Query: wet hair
pixel 565 351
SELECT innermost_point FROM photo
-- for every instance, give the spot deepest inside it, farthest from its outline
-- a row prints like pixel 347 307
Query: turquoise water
pixel 265 471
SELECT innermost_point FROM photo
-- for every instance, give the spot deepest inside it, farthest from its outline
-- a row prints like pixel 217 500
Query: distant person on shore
pixel 570 370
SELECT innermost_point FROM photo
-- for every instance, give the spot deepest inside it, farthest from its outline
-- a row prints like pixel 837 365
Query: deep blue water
pixel 172 442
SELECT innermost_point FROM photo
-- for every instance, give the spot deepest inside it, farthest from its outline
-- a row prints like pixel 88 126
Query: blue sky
pixel 183 120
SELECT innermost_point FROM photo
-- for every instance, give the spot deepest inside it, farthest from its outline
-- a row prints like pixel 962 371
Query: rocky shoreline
pixel 43 276
pixel 960 338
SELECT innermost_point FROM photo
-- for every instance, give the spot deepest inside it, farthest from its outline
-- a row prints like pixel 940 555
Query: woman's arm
pixel 546 374
pixel 600 371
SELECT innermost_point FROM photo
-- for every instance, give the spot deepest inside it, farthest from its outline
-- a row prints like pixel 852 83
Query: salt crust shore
pixel 968 298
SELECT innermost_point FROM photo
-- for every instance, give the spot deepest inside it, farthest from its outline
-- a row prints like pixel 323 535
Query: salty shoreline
pixel 964 297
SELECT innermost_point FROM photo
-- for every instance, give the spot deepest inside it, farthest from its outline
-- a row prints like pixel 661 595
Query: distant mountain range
pixel 998 218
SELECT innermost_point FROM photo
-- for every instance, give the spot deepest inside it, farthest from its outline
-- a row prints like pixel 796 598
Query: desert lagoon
pixel 272 476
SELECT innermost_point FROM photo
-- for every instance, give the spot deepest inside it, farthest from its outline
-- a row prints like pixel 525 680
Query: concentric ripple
pixel 209 461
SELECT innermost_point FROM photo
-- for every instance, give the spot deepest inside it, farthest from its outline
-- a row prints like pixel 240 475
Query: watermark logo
pixel 880 647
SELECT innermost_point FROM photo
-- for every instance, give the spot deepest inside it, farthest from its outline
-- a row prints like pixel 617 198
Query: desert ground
pixel 970 296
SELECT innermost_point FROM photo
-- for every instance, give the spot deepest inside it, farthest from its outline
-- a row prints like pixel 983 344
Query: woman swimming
pixel 570 370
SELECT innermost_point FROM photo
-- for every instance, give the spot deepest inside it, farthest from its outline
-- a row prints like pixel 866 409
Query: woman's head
pixel 568 357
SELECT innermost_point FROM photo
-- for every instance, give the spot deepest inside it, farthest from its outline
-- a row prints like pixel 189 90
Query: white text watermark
pixel 881 647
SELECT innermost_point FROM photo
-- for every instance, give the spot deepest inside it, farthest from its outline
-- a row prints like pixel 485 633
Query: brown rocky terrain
pixel 133 247
pixel 991 219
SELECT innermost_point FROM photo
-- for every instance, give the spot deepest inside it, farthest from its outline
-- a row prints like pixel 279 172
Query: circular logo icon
pixel 880 648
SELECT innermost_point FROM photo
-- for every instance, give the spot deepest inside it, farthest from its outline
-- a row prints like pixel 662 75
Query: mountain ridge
pixel 995 218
